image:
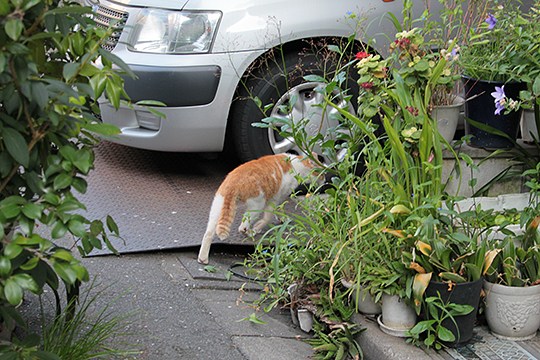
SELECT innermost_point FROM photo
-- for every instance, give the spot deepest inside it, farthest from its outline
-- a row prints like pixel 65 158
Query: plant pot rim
pixel 455 283
pixel 390 330
pixel 511 290
pixel 457 102
pixel 491 81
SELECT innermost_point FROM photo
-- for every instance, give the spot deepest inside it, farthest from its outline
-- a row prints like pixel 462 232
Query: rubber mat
pixel 159 200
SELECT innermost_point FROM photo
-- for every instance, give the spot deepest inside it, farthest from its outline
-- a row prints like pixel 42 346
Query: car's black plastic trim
pixel 174 86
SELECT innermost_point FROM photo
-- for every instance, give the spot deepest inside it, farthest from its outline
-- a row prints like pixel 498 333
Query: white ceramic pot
pixel 397 315
pixel 366 304
pixel 518 201
pixel 512 313
pixel 363 299
pixel 528 125
pixel 447 117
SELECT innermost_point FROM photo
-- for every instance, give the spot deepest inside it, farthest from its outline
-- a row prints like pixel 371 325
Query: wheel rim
pixel 303 102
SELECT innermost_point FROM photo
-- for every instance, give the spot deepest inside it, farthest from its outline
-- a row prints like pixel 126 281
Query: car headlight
pixel 174 32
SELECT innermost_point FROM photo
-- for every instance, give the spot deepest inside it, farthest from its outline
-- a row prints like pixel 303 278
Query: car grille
pixel 105 18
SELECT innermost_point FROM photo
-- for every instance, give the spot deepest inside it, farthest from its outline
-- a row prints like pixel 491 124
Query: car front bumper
pixel 197 92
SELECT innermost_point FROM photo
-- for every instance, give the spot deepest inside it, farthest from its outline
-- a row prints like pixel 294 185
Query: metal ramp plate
pixel 159 200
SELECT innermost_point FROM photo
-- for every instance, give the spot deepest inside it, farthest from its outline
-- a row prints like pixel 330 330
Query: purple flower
pixel 500 99
pixel 492 21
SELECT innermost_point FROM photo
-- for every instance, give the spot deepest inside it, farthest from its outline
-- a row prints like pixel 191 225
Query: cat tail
pixel 215 211
pixel 226 216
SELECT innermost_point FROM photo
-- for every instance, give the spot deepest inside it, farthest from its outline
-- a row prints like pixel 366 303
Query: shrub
pixel 49 86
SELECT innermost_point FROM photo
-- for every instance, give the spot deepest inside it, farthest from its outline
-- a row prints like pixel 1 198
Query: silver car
pixel 216 63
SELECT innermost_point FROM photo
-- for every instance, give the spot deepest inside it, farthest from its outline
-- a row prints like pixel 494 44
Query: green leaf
pixel 82 273
pixel 32 211
pixel 13 292
pixel 113 92
pixel 70 70
pixel 26 281
pixel 422 326
pixel 69 152
pixel 79 184
pixel 30 264
pixel 89 70
pixel 30 4
pixel 59 230
pixel 12 250
pixel 98 82
pixel 102 129
pixel 63 255
pixel 150 103
pixel 112 226
pixel 4 10
pixel 83 161
pixel 14 28
pixel 39 94
pixel 445 335
pixel 5 266
pixel 71 9
pixel 460 309
pixel 10 210
pixel 76 227
pixel 254 319
pixel 314 78
pixel 65 272
pixel 61 181
pixel 16 145
pixel 536 86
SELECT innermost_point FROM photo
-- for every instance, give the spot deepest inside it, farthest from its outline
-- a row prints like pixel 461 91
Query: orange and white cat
pixel 260 184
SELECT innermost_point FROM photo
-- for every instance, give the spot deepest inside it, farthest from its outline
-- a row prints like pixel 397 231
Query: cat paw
pixel 202 261
pixel 243 229
pixel 259 226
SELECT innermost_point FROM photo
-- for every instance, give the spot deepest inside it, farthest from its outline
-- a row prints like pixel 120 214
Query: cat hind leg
pixel 215 210
pixel 265 220
pixel 254 207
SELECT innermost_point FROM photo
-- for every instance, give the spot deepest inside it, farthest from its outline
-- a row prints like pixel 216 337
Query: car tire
pixel 270 79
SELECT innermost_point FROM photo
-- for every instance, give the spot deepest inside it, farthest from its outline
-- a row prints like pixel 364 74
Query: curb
pixel 377 345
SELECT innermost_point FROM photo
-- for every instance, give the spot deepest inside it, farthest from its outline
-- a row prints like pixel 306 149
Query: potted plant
pixel 511 286
pixel 449 265
pixel 529 45
pixel 494 62
pixel 386 277
pixel 417 59
pixel 399 92
pixel 511 281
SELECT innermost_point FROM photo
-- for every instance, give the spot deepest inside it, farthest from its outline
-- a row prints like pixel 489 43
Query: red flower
pixel 366 85
pixel 361 55
pixel 412 110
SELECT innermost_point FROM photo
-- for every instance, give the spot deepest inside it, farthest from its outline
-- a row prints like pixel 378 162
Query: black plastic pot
pixel 463 294
pixel 480 107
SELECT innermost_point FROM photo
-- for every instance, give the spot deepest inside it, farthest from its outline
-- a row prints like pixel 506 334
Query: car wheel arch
pixel 254 70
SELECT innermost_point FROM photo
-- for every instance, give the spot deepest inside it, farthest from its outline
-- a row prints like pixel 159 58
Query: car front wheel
pixel 280 82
